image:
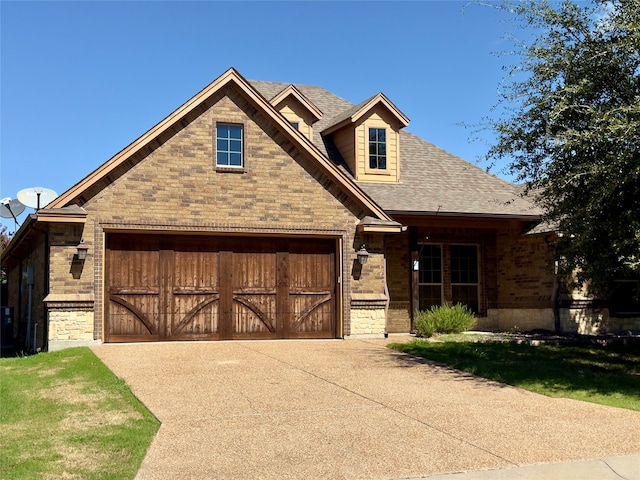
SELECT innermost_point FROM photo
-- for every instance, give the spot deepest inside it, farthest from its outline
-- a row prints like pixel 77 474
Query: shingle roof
pixel 431 179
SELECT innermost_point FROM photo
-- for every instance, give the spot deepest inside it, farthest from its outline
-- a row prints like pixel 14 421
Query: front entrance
pixel 173 287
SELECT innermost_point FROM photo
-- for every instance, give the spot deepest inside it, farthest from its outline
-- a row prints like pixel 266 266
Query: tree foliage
pixel 571 130
pixel 5 238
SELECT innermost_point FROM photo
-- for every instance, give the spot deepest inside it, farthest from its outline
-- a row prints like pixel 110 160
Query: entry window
pixel 378 148
pixel 229 140
pixel 430 276
pixel 451 278
pixel 464 275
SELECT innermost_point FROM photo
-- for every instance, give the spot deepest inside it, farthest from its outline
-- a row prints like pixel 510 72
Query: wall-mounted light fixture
pixel 83 248
pixel 362 254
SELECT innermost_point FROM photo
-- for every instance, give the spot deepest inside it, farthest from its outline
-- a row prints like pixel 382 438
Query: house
pixel 271 210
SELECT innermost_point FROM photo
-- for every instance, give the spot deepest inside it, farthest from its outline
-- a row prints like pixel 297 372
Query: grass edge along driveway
pixel 603 374
pixel 65 415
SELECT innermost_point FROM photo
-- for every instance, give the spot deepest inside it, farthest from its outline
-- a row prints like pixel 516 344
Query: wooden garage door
pixel 199 287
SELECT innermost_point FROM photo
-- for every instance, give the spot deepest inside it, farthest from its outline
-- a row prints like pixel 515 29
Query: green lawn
pixel 64 415
pixel 609 375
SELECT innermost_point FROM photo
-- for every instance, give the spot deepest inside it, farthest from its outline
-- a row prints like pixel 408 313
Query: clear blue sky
pixel 82 80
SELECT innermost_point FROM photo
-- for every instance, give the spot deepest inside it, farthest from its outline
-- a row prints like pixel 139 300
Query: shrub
pixel 444 319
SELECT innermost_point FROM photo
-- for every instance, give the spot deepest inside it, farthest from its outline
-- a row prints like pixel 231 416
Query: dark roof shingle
pixel 431 179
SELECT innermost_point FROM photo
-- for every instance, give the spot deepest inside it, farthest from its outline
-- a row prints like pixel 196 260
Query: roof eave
pixel 487 215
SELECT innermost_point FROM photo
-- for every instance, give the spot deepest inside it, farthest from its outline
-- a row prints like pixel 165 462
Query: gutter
pixel 506 216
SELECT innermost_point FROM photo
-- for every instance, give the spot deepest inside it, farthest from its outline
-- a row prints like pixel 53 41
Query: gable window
pixel 378 148
pixel 229 151
pixel 296 125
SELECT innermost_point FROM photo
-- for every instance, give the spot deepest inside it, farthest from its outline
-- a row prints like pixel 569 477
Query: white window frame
pixel 224 166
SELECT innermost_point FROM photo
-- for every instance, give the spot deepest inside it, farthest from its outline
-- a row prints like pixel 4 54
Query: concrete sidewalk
pixel 356 410
pixel 613 468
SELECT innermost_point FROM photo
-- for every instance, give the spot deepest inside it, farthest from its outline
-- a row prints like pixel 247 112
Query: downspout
pixel 45 288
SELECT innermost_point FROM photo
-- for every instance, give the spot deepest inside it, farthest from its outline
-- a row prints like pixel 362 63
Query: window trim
pixel 368 154
pixel 229 168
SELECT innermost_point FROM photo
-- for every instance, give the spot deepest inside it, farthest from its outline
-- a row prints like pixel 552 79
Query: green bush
pixel 444 319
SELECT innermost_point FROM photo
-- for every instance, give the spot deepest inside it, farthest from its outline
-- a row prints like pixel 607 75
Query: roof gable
pixel 230 77
pixel 292 91
pixel 359 111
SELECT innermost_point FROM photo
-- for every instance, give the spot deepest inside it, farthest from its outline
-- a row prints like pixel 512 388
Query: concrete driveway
pixel 346 409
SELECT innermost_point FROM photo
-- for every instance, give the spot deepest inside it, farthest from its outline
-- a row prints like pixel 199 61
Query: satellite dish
pixel 11 208
pixel 37 197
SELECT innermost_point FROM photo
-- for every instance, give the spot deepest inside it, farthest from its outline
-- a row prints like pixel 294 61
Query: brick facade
pixel 168 182
pixel 175 187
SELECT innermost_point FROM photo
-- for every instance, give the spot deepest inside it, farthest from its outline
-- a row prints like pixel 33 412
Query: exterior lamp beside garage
pixel 83 248
pixel 363 255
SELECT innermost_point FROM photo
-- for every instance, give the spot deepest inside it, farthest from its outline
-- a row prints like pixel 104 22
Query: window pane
pixel 373 135
pixel 382 163
pixel 235 132
pixel 382 135
pixel 464 264
pixel 235 159
pixel 430 261
pixel 235 146
pixel 222 145
pixel 465 294
pixel 373 161
pixel 430 295
pixel 222 158
pixel 373 149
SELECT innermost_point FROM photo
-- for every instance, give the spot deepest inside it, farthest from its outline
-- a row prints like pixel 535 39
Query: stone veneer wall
pixel 70 321
pixel 517 319
pixel 595 321
pixel 368 315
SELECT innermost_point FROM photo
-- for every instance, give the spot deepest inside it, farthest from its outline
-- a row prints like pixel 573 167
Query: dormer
pixel 368 138
pixel 296 108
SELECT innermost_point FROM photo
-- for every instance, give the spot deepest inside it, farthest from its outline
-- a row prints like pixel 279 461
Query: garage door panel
pixel 200 287
pixel 254 271
pixel 133 295
pixel 312 315
pixel 195 315
pixel 311 270
pixel 196 270
pixel 254 316
pixel 133 316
